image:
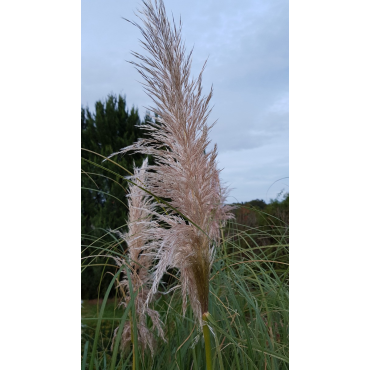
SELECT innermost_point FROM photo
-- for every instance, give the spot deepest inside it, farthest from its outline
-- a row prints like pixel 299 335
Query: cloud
pixel 248 49
pixel 251 173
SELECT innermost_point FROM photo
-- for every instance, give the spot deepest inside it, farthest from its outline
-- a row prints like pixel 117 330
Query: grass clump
pixel 249 321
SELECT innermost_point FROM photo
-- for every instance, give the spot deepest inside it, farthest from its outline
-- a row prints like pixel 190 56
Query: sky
pixel 247 46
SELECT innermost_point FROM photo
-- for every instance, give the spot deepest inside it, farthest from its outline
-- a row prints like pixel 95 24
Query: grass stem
pixel 207 342
pixel 133 343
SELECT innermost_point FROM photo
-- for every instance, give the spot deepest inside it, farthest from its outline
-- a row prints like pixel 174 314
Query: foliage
pixel 268 225
pixel 103 198
pixel 248 303
pixel 257 212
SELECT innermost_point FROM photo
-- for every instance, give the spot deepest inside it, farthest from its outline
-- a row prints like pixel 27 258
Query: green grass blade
pixel 97 330
pixel 119 333
pixel 218 350
pixel 84 359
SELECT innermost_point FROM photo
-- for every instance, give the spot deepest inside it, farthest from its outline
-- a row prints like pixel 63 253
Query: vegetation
pixel 249 287
pixel 103 197
pixel 182 241
pixel 248 298
pixel 248 303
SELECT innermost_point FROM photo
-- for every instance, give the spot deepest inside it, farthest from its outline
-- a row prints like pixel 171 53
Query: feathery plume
pixel 140 219
pixel 183 172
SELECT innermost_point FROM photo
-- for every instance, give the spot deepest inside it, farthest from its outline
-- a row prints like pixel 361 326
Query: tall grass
pixel 183 171
pixel 140 281
pixel 248 303
pixel 186 234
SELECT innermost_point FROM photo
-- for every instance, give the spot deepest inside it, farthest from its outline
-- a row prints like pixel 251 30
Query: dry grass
pixel 183 172
pixel 140 220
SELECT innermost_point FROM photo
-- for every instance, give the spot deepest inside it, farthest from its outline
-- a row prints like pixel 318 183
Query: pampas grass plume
pixel 140 219
pixel 184 172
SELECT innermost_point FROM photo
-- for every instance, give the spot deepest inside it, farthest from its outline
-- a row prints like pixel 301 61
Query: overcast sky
pixel 247 45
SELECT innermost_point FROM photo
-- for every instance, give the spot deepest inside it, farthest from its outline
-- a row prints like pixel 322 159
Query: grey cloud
pixel 247 46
